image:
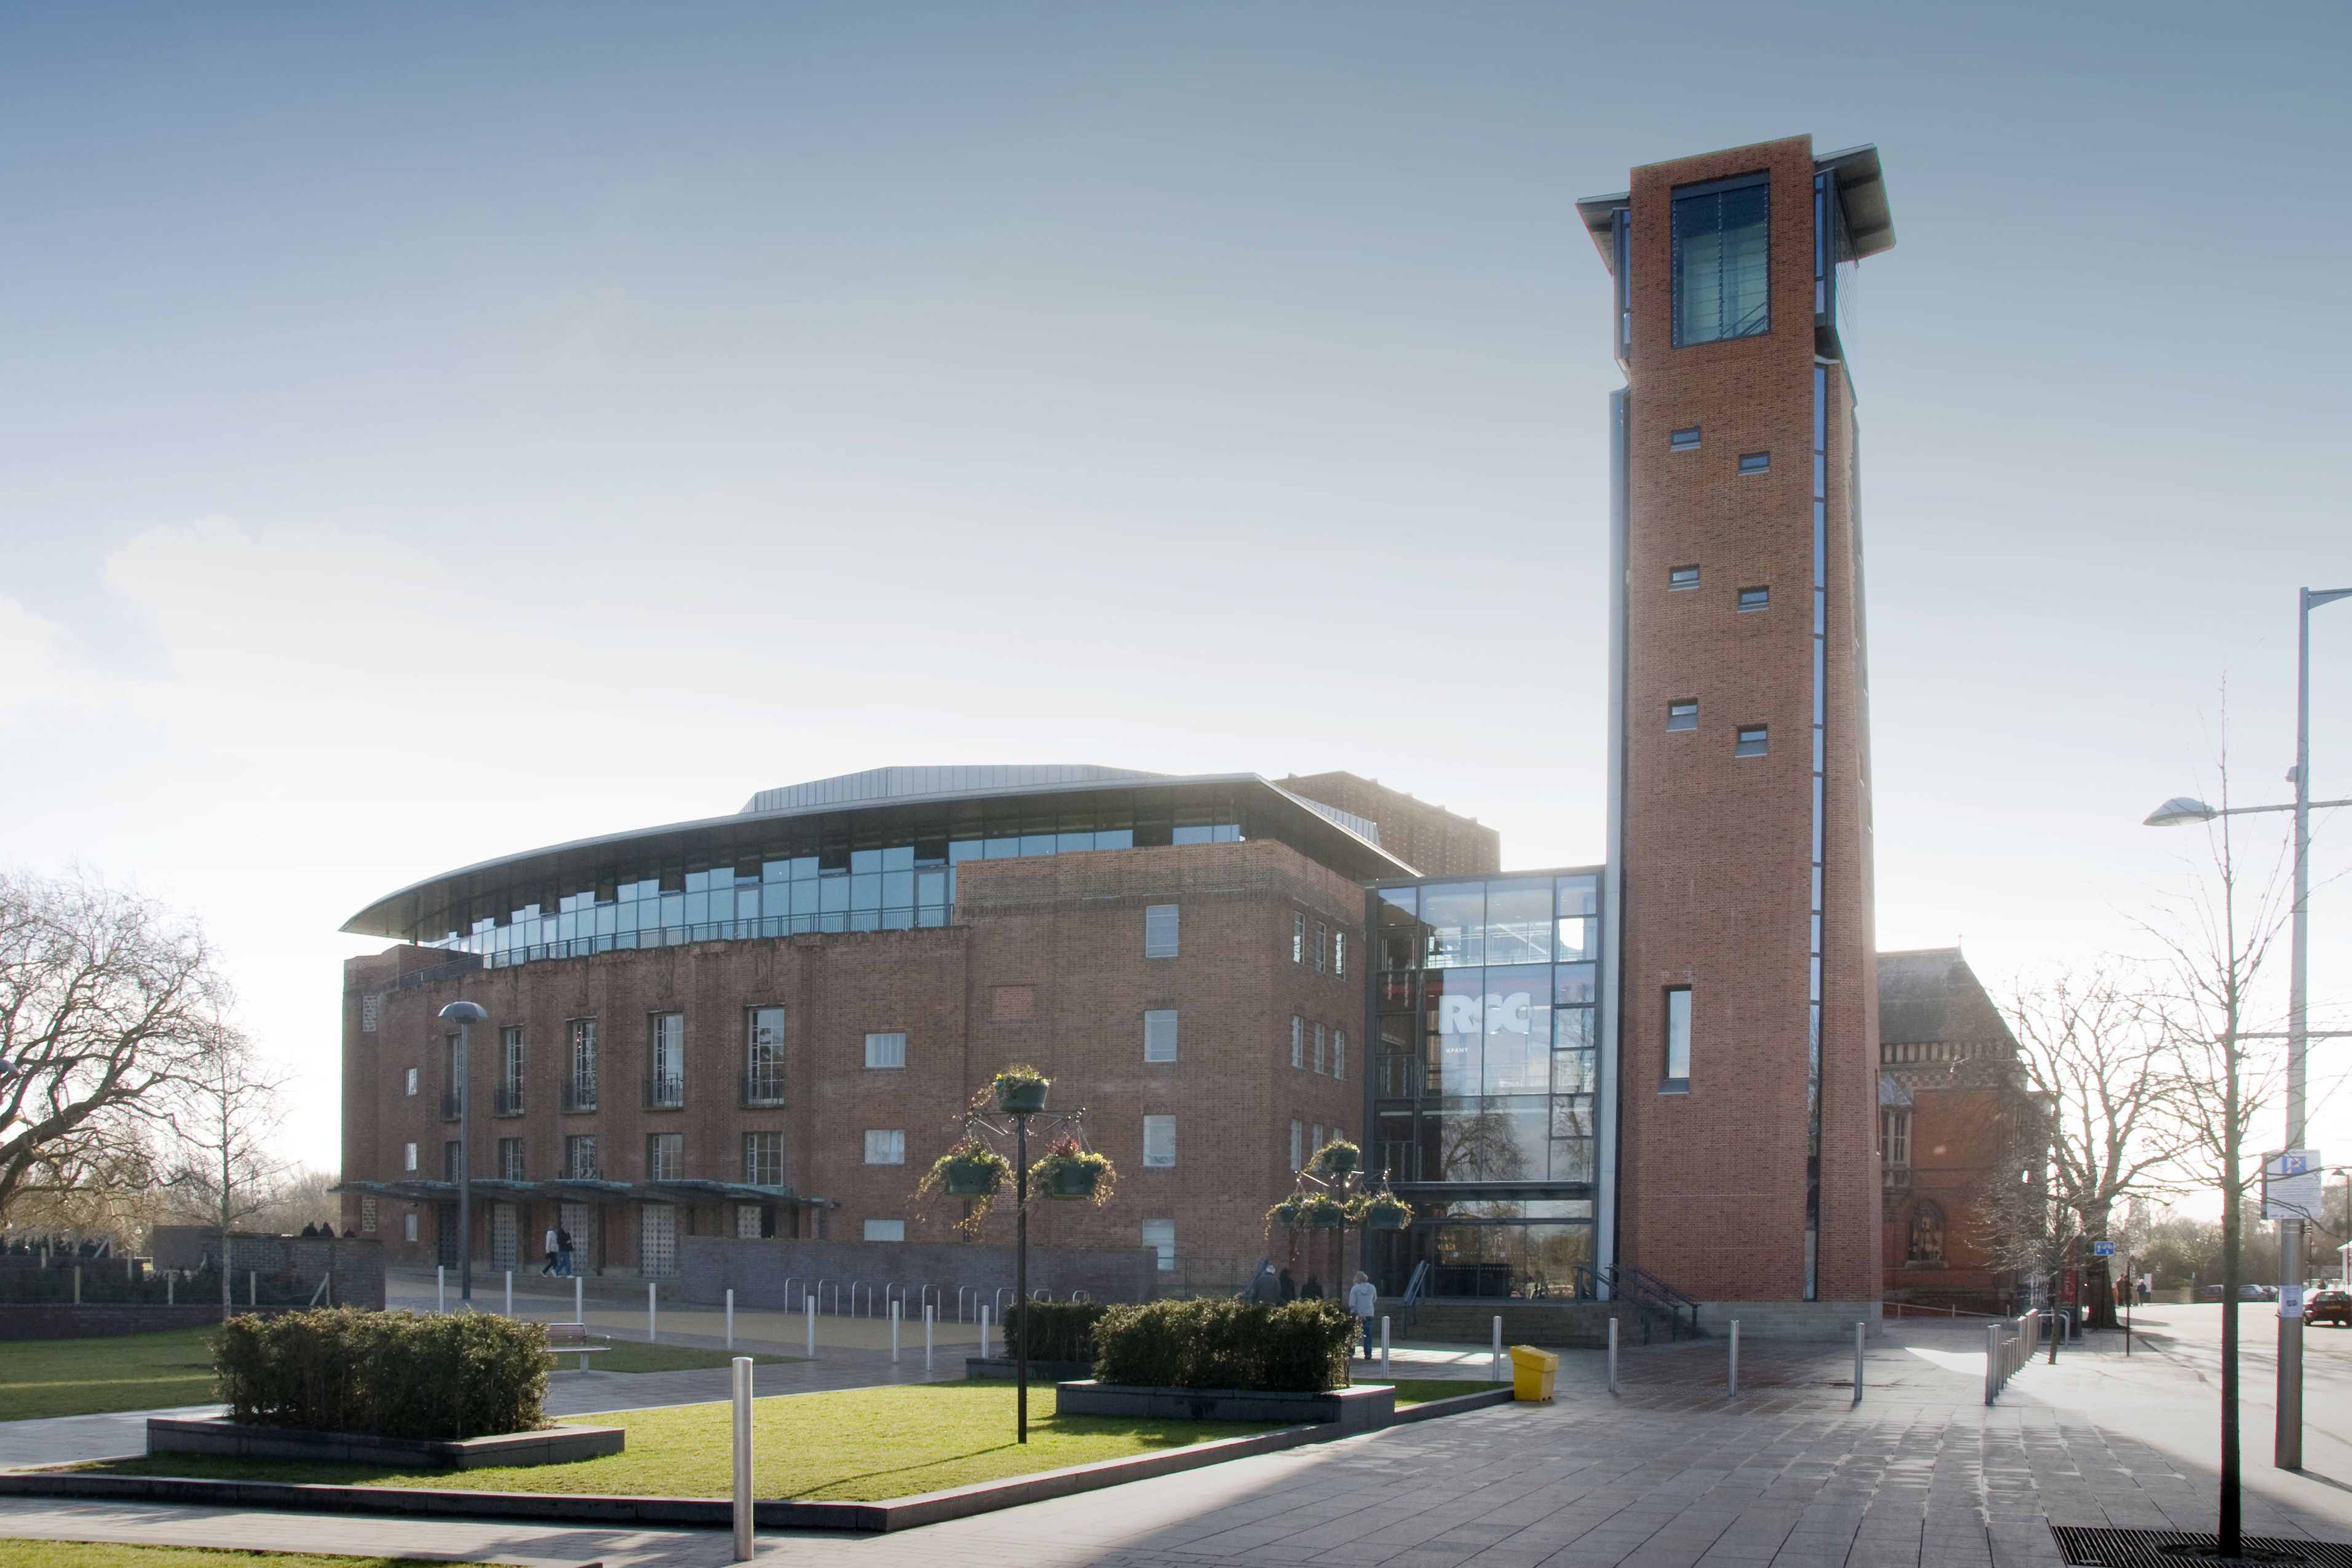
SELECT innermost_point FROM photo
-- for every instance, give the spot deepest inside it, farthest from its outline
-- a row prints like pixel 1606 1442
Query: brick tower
pixel 1745 1045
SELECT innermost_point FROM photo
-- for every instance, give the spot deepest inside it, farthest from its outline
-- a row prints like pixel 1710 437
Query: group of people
pixel 326 1229
pixel 559 1253
pixel 1275 1286
pixel 57 1245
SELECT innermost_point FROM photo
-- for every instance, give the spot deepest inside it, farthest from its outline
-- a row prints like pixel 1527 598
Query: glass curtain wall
pixel 1485 1073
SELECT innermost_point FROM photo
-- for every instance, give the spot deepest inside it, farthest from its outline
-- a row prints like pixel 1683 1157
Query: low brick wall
pixel 756 1269
pixel 287 1263
pixel 1791 1319
pixel 63 1320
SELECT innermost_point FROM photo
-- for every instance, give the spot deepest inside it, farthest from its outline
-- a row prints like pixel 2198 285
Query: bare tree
pixel 110 1006
pixel 2095 1054
pixel 224 1141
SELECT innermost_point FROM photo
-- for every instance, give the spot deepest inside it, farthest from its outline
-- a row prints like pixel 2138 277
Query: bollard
pixel 2057 1332
pixel 171 1285
pixel 1735 1358
pixel 1496 1373
pixel 577 1316
pixel 252 1289
pixel 77 1302
pixel 509 1292
pixel 1858 1329
pixel 731 1320
pixel 1992 1360
pixel 984 1333
pixel 1612 1354
pixel 1384 1345
pixel 931 1311
pixel 440 1289
pixel 810 1304
pixel 653 1323
pixel 742 1365
pixel 898 1311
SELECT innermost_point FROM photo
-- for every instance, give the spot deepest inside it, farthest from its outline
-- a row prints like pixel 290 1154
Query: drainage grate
pixel 2084 1548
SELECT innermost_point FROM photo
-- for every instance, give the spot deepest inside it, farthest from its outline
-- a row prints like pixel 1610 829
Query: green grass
pixel 1422 1390
pixel 84 1377
pixel 856 1445
pixel 635 1355
pixel 102 1554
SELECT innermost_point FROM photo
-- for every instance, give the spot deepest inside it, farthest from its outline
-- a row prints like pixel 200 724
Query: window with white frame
pixel 763 1158
pixel 886 1230
pixel 1678 1037
pixel 1160 931
pixel 1314 1140
pixel 367 1216
pixel 665 1157
pixel 408 1157
pixel 1298 937
pixel 412 1080
pixel 1160 1234
pixel 1340 951
pixel 1340 1052
pixel 1319 1048
pixel 885 1147
pixel 408 1228
pixel 1159 1141
pixel 887 1049
pixel 1298 1144
pixel 1322 946
pixel 1297 1041
pixel 1159 1034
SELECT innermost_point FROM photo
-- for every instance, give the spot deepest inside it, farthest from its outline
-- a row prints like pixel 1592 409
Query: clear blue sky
pixel 426 431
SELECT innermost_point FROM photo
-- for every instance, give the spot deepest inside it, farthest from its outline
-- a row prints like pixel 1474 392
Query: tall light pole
pixel 2287 1445
pixel 464 1015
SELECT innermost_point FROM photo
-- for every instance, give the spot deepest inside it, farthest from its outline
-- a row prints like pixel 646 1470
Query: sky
pixel 427 433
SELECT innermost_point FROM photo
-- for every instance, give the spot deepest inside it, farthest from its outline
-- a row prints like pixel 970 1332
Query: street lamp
pixel 464 1014
pixel 2288 1447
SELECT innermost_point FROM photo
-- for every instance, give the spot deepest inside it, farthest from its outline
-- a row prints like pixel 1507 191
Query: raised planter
pixel 1039 1370
pixel 549 1445
pixel 1364 1407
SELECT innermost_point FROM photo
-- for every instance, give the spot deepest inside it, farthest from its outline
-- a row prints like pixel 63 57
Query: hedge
pixel 1298 1347
pixel 393 1374
pixel 1055 1330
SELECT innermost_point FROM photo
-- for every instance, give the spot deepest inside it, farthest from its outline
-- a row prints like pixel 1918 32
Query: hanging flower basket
pixel 1069 1174
pixel 971 1179
pixel 969 1170
pixel 1321 1214
pixel 1338 1156
pixel 1285 1214
pixel 1021 1090
pixel 1383 1211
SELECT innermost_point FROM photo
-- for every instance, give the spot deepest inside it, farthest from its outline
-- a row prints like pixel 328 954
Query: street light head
pixel 2173 812
pixel 465 1013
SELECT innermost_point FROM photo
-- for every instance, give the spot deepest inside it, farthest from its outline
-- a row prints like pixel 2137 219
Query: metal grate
pixel 2086 1548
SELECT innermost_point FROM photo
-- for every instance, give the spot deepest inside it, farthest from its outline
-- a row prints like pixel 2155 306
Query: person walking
pixel 1312 1290
pixel 563 1252
pixel 1289 1287
pixel 554 1246
pixel 1365 1303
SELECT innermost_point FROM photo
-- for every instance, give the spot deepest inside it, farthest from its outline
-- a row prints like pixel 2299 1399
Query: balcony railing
pixel 666 1091
pixel 584 1171
pixel 578 1095
pixel 449 1108
pixel 509 1099
pixel 1896 1177
pixel 763 1089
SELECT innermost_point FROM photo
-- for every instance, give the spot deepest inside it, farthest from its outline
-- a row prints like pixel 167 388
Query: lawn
pixel 856 1445
pixel 154 1371
pixel 1422 1390
pixel 102 1554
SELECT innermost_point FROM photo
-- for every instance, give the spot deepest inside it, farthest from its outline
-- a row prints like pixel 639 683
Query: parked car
pixel 2329 1306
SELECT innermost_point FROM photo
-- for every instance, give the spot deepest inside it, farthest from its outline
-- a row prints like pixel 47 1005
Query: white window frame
pixel 408 1228
pixel 1159 1034
pixel 1339 951
pixel 1340 1056
pixel 890 1149
pixel 408 1157
pixel 1678 1037
pixel 1298 936
pixel 412 1082
pixel 1752 741
pixel 886 1050
pixel 886 1230
pixel 1319 1042
pixel 1158 1142
pixel 1160 1234
pixel 1297 1041
pixel 1322 947
pixel 1298 1144
pixel 1162 932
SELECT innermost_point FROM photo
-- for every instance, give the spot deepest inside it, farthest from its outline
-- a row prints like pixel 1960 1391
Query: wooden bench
pixel 572 1339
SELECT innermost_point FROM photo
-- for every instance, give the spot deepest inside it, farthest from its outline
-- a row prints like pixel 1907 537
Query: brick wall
pixel 287 1262
pixel 1432 840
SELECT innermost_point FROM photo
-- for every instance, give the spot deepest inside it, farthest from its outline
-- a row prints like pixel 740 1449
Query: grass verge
pixel 107 1555
pixel 854 1446
pixel 1422 1390
pixel 88 1377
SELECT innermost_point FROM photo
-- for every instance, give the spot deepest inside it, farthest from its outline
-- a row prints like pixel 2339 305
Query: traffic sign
pixel 2291 1184
pixel 2102 1249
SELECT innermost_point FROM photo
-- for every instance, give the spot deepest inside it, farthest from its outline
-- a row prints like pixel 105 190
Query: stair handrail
pixel 1673 1298
pixel 1645 1303
pixel 1414 1290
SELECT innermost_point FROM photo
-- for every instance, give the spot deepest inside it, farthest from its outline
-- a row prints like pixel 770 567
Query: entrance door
pixel 445 1234
pixel 657 1240
pixel 504 1225
pixel 578 1221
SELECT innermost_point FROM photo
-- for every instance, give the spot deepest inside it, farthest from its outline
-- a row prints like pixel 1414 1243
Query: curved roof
pixel 926 784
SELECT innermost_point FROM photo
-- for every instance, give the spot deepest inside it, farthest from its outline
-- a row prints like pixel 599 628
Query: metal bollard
pixel 1612 1354
pixel 984 1333
pixel 1495 1374
pixel 742 1365
pixel 171 1284
pixel 652 1323
pixel 440 1289
pixel 1858 1330
pixel 252 1289
pixel 577 1316
pixel 809 1302
pixel 76 1300
pixel 1735 1358
pixel 731 1320
pixel 509 1292
pixel 1384 1345
pixel 1992 1360
pixel 930 1315
pixel 894 1333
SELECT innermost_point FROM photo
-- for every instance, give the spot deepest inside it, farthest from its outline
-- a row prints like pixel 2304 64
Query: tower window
pixel 1682 715
pixel 1683 440
pixel 1679 577
pixel 1678 1037
pixel 1755 462
pixel 1722 256
pixel 1751 741
pixel 1754 599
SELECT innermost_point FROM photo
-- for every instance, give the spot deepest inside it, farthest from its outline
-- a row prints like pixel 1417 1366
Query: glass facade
pixel 1485 1074
pixel 1722 253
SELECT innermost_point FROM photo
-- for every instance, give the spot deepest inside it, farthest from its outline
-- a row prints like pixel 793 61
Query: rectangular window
pixel 1895 1146
pixel 763 1158
pixel 1340 951
pixel 408 1156
pixel 1754 598
pixel 1683 440
pixel 1678 1037
pixel 367 1215
pixel 510 1159
pixel 1159 1141
pixel 1160 1234
pixel 1751 741
pixel 1297 1041
pixel 510 1071
pixel 1160 931
pixel 408 1228
pixel 1322 941
pixel 1340 1052
pixel 763 1056
pixel 665 1060
pixel 1297 939
pixel 887 1050
pixel 1755 462
pixel 1319 1048
pixel 885 1148
pixel 579 1085
pixel 412 1080
pixel 580 1157
pixel 1159 1034
pixel 1298 1144
pixel 886 1230
pixel 1681 577
pixel 1682 715
pixel 1722 260
pixel 449 1160
pixel 665 1157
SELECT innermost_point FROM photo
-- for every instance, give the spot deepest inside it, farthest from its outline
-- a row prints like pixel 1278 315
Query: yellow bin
pixel 1532 1372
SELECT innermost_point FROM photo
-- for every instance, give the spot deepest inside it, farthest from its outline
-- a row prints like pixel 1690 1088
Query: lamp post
pixel 464 1015
pixel 2287 1443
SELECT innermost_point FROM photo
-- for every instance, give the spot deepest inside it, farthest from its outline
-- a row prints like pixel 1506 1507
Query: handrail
pixel 923 1301
pixel 820 1293
pixel 998 1301
pixel 788 1291
pixel 960 1291
pixel 1412 1293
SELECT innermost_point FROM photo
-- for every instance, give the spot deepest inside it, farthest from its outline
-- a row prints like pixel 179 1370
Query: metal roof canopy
pixel 1862 191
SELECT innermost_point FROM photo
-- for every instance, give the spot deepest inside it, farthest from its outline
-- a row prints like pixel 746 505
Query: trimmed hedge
pixel 1055 1330
pixel 393 1374
pixel 1300 1347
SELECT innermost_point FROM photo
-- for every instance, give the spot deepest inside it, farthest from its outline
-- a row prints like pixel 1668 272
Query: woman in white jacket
pixel 1365 1303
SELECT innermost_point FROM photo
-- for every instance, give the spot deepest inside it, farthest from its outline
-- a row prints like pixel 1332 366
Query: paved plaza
pixel 1667 1472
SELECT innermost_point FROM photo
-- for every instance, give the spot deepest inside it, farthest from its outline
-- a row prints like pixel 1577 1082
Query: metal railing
pixel 1415 1290
pixel 509 1101
pixel 580 1096
pixel 451 1106
pixel 666 1091
pixel 2008 1345
pixel 761 1089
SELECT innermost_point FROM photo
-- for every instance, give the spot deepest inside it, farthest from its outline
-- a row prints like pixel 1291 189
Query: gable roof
pixel 1932 996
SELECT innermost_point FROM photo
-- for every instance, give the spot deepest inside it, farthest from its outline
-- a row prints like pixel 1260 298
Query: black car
pixel 2329 1306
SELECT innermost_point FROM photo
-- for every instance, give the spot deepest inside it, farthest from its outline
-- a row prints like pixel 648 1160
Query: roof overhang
pixel 1862 191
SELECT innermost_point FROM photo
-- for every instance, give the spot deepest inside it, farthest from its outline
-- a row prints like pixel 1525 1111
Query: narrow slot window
pixel 1752 742
pixel 1683 440
pixel 1755 462
pixel 1678 1037
pixel 1754 599
pixel 1682 715
pixel 1681 577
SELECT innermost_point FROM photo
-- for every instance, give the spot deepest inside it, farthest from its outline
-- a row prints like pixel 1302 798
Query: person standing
pixel 1365 1303
pixel 1289 1291
pixel 554 1246
pixel 563 1252
pixel 1312 1290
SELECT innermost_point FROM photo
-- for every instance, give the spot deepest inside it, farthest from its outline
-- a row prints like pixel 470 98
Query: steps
pixel 1574 1324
